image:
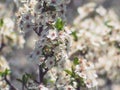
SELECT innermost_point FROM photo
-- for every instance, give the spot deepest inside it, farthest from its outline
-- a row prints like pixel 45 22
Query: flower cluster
pixel 38 15
pixel 96 37
pixel 86 70
pixel 3 66
pixel 51 48
pixel 8 35
pixel 57 78
pixel 71 75
pixel 42 17
pixel 47 19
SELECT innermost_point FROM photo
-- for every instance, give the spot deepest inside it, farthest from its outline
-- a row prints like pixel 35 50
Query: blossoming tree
pixel 8 38
pixel 51 52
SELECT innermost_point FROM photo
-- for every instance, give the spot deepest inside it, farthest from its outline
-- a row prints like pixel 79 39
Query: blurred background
pixel 17 57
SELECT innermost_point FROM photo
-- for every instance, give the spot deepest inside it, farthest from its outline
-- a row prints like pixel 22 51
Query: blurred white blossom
pixel 3 66
pixel 98 33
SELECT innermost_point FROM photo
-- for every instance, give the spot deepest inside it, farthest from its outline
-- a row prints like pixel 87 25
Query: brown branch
pixel 9 83
pixel 40 74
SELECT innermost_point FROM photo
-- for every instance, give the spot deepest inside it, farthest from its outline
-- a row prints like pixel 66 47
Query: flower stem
pixel 40 74
pixel 78 88
pixel 9 83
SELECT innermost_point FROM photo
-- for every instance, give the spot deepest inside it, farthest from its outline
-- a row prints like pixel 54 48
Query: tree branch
pixel 9 83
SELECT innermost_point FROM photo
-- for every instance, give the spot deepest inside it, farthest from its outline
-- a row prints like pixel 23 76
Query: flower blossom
pixel 98 33
pixel 86 70
pixel 47 19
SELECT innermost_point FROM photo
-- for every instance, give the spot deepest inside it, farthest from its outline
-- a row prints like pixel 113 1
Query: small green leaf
pixel 1 74
pixel 74 34
pixel 81 81
pixel 5 73
pixel 68 72
pixel 76 61
pixel 1 22
pixel 107 24
pixel 58 43
pixel 29 75
pixel 25 78
pixel 59 24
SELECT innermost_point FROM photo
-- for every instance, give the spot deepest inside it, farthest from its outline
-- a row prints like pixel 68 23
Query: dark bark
pixel 40 74
pixel 9 83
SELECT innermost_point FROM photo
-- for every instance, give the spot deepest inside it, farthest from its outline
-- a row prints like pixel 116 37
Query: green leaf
pixel 107 24
pixel 29 75
pixel 76 61
pixel 59 24
pixel 74 34
pixel 1 22
pixel 1 74
pixel 81 83
pixel 5 73
pixel 57 43
pixel 68 72
pixel 48 80
pixel 24 79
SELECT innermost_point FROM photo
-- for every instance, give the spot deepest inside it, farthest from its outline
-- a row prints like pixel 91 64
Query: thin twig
pixel 40 74
pixel 45 71
pixel 9 83
pixel 23 86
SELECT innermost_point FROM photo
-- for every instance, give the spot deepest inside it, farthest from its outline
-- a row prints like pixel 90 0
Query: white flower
pixel 50 62
pixel 3 64
pixel 86 71
pixel 101 11
pixel 27 17
pixel 27 26
pixel 82 74
pixel 37 56
pixel 86 9
pixel 88 85
pixel 42 87
pixel 69 87
pixel 21 41
pixel 52 34
pixel 64 80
